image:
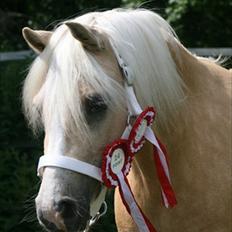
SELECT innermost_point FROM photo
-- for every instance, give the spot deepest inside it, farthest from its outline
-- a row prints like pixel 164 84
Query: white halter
pixel 91 170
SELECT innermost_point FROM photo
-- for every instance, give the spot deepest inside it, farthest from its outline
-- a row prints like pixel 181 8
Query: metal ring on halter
pixel 99 214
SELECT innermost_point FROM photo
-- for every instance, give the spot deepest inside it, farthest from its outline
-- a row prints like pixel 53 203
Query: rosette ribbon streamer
pixel 117 159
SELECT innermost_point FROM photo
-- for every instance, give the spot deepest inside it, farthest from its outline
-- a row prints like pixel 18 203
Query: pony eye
pixel 95 107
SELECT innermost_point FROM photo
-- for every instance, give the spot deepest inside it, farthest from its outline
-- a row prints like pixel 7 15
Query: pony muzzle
pixel 64 206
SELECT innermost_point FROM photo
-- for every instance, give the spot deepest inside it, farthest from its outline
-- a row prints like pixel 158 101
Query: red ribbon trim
pixel 143 116
pixel 163 179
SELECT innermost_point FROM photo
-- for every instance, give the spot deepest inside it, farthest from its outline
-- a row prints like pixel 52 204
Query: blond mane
pixel 53 78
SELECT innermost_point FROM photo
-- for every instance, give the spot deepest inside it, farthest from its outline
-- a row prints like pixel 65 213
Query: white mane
pixel 137 36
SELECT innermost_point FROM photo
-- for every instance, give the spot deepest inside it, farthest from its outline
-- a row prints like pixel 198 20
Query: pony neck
pixel 200 82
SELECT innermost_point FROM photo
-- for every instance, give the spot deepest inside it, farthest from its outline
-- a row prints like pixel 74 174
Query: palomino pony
pixel 75 92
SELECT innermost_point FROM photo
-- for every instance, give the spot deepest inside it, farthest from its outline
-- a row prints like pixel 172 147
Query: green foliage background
pixel 197 23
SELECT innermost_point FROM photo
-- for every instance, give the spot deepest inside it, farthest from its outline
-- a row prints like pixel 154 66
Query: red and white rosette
pixel 115 167
pixel 141 131
pixel 116 159
pixel 137 135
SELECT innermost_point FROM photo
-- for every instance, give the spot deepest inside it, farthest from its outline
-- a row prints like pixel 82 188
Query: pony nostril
pixel 44 222
pixel 66 207
pixel 73 215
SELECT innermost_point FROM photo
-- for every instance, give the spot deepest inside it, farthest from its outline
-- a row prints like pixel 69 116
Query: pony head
pixel 75 92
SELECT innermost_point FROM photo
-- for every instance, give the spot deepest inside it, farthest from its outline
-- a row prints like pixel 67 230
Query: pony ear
pixel 37 40
pixel 90 38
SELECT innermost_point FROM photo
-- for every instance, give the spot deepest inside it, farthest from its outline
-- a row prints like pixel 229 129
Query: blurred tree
pixel 201 23
pixel 197 22
pixel 19 152
pixel 16 14
pixel 156 5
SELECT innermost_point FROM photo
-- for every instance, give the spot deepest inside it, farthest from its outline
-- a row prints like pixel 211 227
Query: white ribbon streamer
pixel 133 106
pixel 135 211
